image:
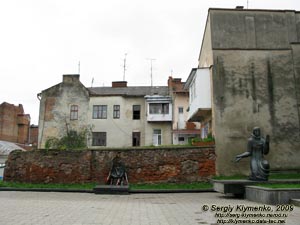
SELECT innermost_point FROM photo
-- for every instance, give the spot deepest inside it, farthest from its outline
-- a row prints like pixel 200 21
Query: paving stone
pixel 51 208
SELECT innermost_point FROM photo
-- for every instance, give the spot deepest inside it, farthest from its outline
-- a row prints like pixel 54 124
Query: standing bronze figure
pixel 257 147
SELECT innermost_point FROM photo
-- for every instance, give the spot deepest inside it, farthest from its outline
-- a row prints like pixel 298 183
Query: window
pixel 159 108
pixel 136 138
pixel 180 110
pixel 99 111
pixel 136 109
pixel 193 91
pixel 181 139
pixel 116 112
pixel 156 137
pixel 99 139
pixel 74 112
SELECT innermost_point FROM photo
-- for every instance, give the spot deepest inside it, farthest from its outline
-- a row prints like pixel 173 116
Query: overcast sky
pixel 43 39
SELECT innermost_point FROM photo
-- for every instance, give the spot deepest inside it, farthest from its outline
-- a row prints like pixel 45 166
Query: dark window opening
pixel 136 138
pixel 136 112
pixel 181 139
pixel 99 139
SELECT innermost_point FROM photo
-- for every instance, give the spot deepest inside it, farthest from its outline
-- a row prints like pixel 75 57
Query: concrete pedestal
pixel 111 189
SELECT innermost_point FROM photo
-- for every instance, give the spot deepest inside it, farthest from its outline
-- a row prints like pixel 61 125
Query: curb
pixel 47 190
pixel 138 191
pixel 162 191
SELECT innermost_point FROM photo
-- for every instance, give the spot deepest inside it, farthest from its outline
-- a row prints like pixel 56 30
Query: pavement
pixel 57 208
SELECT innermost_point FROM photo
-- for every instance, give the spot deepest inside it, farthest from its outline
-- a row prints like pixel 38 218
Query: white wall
pixel 200 91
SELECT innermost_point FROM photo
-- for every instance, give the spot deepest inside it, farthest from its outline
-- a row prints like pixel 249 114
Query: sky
pixel 40 40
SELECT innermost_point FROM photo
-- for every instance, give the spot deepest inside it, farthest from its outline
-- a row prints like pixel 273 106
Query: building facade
pixel 182 130
pixel 14 123
pixel 253 58
pixel 116 116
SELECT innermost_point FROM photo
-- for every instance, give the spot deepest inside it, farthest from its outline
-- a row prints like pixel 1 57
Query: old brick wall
pixel 13 123
pixel 182 165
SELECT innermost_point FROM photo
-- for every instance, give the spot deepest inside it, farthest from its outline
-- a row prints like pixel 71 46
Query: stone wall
pixel 182 165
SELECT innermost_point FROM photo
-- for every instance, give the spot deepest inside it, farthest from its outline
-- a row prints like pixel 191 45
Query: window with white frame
pixel 99 111
pixel 116 114
pixel 159 108
pixel 74 112
pixel 157 137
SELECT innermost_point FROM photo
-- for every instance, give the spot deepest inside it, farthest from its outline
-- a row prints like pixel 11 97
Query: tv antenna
pixel 151 60
pixel 92 82
pixel 79 67
pixel 124 66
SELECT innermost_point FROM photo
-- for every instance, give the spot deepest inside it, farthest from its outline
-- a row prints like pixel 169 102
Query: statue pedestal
pixel 235 187
pixel 111 189
pixel 238 187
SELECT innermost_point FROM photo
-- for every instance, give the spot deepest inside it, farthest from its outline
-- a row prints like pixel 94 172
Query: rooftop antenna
pixel 124 66
pixel 151 70
pixel 79 67
pixel 92 82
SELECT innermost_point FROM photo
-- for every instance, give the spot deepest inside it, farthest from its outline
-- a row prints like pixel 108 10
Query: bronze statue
pixel 117 174
pixel 257 147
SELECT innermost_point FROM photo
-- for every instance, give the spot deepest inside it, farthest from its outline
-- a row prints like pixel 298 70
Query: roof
pixel 253 10
pixel 134 91
pixel 190 78
pixel 7 147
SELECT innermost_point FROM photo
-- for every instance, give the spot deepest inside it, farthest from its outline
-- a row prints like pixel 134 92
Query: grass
pixel 90 186
pixel 272 176
pixel 54 186
pixel 279 185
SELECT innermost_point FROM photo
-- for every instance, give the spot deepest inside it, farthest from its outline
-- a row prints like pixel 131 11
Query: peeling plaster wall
pixel 255 89
pixel 255 82
pixel 55 108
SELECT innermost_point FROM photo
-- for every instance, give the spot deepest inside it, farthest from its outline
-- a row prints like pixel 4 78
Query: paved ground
pixel 39 208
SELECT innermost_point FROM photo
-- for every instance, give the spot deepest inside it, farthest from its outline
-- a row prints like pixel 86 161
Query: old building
pixel 14 123
pixel 116 116
pixel 253 58
pixel 182 130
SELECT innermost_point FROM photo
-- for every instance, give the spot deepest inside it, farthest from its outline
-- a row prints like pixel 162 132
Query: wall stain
pixel 253 86
pixel 271 93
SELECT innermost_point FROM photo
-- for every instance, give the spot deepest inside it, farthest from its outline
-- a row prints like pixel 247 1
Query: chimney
pixel 70 78
pixel 118 84
pixel 175 83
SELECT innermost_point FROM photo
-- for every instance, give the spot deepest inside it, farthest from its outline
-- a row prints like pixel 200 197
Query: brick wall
pixel 182 165
pixel 14 123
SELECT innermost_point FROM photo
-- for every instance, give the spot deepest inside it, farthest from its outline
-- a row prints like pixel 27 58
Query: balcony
pixel 199 87
pixel 159 108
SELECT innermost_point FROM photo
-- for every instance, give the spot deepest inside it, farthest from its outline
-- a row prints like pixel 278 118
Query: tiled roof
pixel 129 91
pixel 7 147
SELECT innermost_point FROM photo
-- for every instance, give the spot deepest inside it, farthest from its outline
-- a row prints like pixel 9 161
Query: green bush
pixel 73 140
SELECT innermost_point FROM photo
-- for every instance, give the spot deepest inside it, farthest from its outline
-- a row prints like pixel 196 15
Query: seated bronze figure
pixel 257 147
pixel 117 174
